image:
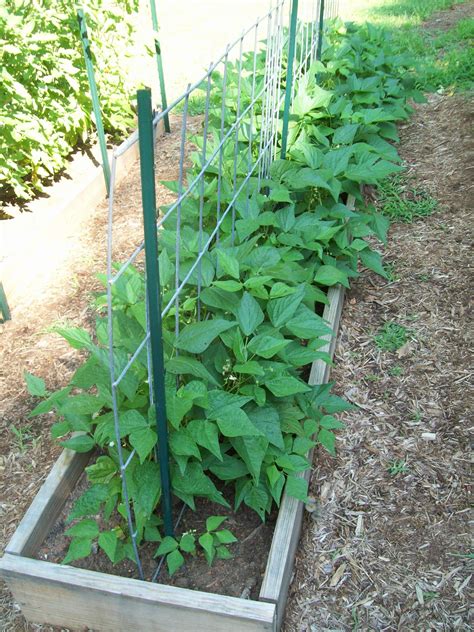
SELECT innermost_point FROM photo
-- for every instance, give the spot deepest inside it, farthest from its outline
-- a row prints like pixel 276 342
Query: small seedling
pixel 391 337
pixel 397 467
pixel 416 416
pixel 391 271
pixel 22 436
pixel 396 371
pixel 214 544
pixel 372 377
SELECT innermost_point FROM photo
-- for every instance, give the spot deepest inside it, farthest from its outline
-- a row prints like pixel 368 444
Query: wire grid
pixel 254 122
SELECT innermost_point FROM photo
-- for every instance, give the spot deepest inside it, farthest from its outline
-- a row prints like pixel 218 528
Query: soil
pixel 240 578
pixel 384 551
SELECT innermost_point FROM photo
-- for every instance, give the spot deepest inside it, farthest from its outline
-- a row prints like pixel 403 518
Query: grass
pixel 396 371
pixel 401 201
pixel 397 467
pixel 444 61
pixel 391 337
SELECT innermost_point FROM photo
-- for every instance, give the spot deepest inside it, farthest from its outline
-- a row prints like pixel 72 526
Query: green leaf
pixel 344 135
pixel 80 443
pixel 131 420
pixel 78 338
pixel 60 429
pixel 146 478
pixel 228 286
pixel 267 346
pixel 267 420
pixel 183 365
pixel 282 309
pixel 257 499
pixel 188 543
pixel 214 522
pixel 79 548
pixel 280 289
pixel 230 469
pixel 252 450
pixel 35 385
pixel 83 404
pixel 177 407
pixel 237 424
pixel 329 275
pixel 207 543
pixel 223 553
pixel 143 440
pixel 223 404
pixel 228 263
pixel 330 423
pixel 108 542
pixel 197 337
pixel 249 314
pixel 205 434
pixel 183 445
pixel 310 97
pixel 195 482
pixel 328 440
pixel 225 536
pixel 273 474
pixel 297 487
pixel 102 470
pixel 174 561
pixel 286 385
pixel 249 368
pixel 373 260
pixel 89 503
pixel 167 545
pixel 85 529
pixel 307 325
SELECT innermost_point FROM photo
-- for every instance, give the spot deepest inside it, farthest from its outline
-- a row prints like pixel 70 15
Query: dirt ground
pixel 384 551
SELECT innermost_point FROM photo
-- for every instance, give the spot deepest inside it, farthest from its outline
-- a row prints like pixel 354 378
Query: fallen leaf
pixel 335 579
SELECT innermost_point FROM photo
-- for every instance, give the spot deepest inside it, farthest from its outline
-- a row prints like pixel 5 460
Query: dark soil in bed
pixel 240 577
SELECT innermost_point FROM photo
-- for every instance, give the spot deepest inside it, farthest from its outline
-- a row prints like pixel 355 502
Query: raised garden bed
pixel 77 598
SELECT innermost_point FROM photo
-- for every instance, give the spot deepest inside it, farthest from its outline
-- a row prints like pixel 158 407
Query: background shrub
pixel 44 102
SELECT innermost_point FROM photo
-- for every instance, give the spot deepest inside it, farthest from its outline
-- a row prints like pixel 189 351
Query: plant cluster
pixel 402 202
pixel 241 417
pixel 45 104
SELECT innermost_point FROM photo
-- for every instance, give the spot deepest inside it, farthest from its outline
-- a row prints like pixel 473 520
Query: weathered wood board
pixel 277 578
pixel 81 599
pixel 280 563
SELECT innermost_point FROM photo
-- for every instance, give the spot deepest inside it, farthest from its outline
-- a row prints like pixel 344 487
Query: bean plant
pixel 242 418
pixel 44 102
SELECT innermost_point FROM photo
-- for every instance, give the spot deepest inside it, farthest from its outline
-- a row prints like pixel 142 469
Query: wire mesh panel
pixel 200 196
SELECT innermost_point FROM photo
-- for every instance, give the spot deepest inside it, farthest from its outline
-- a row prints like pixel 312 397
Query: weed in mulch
pixel 402 201
pixel 391 337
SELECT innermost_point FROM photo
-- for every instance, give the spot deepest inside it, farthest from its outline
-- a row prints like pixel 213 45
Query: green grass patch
pixel 443 60
pixel 391 337
pixel 401 201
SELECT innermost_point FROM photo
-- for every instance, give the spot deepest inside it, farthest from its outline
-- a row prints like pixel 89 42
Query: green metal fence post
pixel 147 172
pixel 4 309
pixel 159 63
pixel 81 18
pixel 320 30
pixel 289 76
